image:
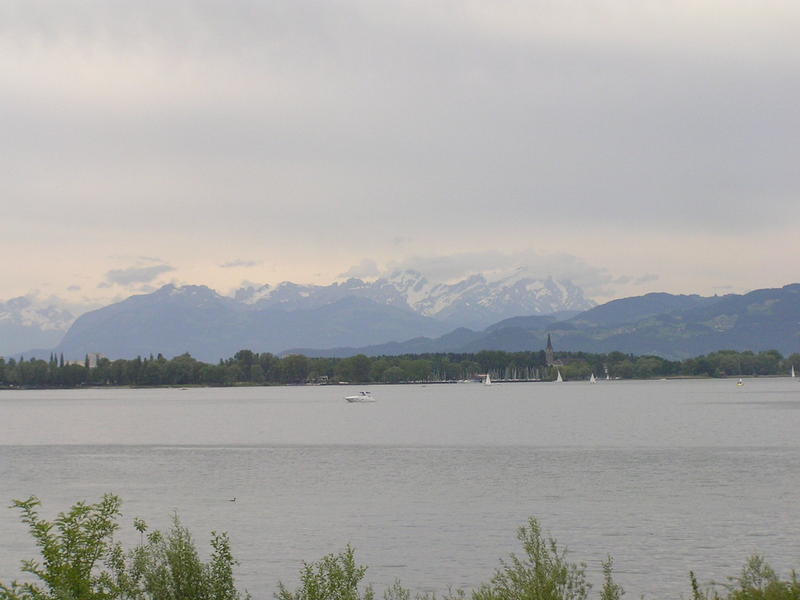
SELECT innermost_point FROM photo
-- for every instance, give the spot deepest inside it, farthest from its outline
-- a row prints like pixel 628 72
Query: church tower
pixel 548 352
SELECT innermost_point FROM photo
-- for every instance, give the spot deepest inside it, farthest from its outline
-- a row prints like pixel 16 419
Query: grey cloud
pixel 465 125
pixel 133 275
pixel 560 110
pixel 366 269
pixel 74 288
pixel 68 308
pixel 238 262
pixel 628 279
pixel 647 278
pixel 496 264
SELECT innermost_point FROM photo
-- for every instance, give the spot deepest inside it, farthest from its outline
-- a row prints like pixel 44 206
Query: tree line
pixel 252 368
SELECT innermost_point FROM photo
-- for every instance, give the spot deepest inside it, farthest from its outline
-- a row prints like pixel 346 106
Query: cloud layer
pixel 133 275
pixel 647 137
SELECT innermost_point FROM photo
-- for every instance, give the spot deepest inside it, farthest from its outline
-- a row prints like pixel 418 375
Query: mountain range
pixel 405 313
pixel 472 302
pixel 196 319
pixel 667 325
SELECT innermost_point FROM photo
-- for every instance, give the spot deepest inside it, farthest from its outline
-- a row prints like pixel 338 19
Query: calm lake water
pixel 429 483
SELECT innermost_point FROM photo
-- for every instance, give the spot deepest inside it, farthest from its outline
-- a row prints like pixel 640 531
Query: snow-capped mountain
pixel 346 318
pixel 196 319
pixel 475 301
pixel 25 324
pixel 353 312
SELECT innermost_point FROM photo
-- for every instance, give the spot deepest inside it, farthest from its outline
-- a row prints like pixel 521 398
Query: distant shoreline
pixel 379 383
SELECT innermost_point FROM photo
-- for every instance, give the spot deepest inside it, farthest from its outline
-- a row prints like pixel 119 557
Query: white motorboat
pixel 361 397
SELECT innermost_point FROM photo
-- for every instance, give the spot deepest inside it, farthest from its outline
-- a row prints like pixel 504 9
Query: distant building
pixel 93 357
pixel 548 352
pixel 549 356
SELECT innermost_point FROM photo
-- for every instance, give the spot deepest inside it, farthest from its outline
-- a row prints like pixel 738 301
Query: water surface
pixel 429 483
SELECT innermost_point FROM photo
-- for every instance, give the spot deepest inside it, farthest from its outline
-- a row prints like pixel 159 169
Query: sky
pixel 628 145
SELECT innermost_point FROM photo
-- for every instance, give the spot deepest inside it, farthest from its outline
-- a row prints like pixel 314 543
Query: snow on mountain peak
pixel 253 294
pixel 25 312
pixel 475 300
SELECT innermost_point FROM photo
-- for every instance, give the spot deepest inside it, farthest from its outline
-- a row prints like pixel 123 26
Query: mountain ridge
pixel 475 301
pixel 196 319
pixel 766 319
pixel 412 305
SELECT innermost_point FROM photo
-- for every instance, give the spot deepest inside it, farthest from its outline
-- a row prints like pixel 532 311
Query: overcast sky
pixel 630 145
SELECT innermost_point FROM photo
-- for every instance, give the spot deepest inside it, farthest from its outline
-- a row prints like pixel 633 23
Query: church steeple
pixel 548 352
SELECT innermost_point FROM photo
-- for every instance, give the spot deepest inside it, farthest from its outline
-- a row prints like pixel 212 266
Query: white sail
pixel 792 371
pixel 558 379
pixel 488 380
pixel 592 379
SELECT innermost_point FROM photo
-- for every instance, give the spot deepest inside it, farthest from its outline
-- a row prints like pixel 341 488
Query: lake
pixel 429 483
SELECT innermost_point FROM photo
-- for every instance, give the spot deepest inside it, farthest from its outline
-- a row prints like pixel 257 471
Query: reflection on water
pixel 428 483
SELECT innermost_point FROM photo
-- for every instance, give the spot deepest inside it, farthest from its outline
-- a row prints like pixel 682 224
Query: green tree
pixel 356 369
pixel 81 561
pixel 543 573
pixel 256 373
pixel 295 367
pixel 378 368
pixel 333 577
pixel 393 375
pixel 71 547
pixel 168 567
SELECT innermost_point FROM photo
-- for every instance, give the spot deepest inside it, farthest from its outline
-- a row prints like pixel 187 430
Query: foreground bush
pixel 334 577
pixel 757 581
pixel 81 561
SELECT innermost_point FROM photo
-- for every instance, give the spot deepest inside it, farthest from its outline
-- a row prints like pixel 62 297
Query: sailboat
pixel 592 379
pixel 558 379
pixel 488 380
pixel 740 382
pixel 793 372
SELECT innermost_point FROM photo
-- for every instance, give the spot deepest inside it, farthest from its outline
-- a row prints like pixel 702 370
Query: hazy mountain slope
pixel 197 320
pixel 636 308
pixel 352 321
pixel 450 342
pixel 535 322
pixel 170 321
pixel 167 322
pixel 24 325
pixel 760 320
